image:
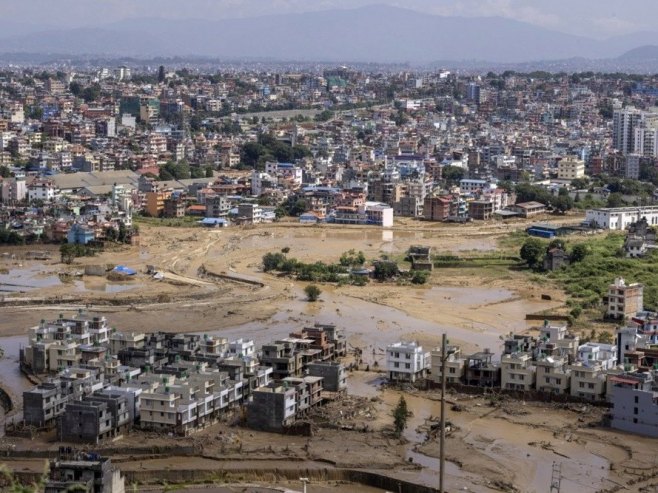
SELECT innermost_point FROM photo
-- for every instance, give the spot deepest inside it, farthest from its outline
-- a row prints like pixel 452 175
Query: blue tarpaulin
pixel 122 269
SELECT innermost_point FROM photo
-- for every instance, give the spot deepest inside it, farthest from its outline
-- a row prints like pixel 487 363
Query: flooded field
pixel 475 309
pixel 21 279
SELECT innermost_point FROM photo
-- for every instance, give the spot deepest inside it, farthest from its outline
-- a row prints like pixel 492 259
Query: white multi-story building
pixel 517 372
pixel 42 190
pixel 604 355
pixel 241 347
pixel 619 218
pixel 406 362
pixel 624 123
pixel 467 186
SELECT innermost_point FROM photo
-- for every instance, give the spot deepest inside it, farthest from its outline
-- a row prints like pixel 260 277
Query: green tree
pixel 400 416
pixel 452 174
pixel 273 261
pixel 209 172
pixel 91 93
pixel 615 200
pixel 196 172
pixel 75 88
pixel 385 269
pixel 579 252
pixel 352 259
pixel 67 253
pixel 324 116
pixel 532 252
pixel 312 292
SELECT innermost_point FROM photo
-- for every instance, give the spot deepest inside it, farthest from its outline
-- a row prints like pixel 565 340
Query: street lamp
pixel 304 480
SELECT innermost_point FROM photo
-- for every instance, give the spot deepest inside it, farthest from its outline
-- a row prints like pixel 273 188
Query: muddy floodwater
pixel 27 278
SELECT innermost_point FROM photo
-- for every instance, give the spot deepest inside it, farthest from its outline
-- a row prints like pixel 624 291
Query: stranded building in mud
pixel 106 381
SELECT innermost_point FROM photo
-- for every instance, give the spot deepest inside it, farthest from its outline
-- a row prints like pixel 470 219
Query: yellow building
pixel 570 168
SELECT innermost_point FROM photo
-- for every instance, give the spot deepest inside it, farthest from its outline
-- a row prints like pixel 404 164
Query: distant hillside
pixel 374 33
pixel 648 52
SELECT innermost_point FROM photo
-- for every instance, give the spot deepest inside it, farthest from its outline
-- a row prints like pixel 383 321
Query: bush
pixel 273 261
pixel 420 277
pixel 312 292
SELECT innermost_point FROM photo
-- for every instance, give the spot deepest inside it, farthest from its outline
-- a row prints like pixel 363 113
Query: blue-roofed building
pixel 80 235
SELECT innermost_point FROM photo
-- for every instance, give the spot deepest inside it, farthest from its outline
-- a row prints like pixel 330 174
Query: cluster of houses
pixel 623 373
pixel 99 382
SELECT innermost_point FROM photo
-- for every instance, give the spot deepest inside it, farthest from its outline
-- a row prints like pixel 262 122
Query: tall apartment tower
pixel 624 123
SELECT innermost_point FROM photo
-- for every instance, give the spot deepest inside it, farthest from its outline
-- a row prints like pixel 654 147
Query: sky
pixel 592 18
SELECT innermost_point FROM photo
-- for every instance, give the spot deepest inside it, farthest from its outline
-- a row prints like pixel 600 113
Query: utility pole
pixel 443 414
pixel 556 477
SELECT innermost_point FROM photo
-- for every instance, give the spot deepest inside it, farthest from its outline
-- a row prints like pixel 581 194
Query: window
pixel 637 399
pixel 408 356
pixel 407 365
pixel 635 410
pixel 548 379
pixel 454 370
pixel 396 365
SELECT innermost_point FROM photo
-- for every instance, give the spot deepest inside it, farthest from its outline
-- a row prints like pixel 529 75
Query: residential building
pixel 481 371
pixel 407 362
pixel 634 404
pixel 517 372
pixel 333 375
pixel 273 408
pixel 528 209
pixel 570 168
pixel 78 471
pixel 94 418
pixel 43 404
pixel 455 365
pixel 155 202
pixel 553 375
pixel 624 301
pixel 588 380
pixel 250 213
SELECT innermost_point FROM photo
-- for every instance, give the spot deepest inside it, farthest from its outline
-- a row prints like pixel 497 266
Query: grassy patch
pixel 587 281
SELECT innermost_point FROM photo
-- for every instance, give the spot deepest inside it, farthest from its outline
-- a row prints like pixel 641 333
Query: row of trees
pixel 69 251
pixel 181 170
pixel 316 271
pixel 268 148
pixel 384 269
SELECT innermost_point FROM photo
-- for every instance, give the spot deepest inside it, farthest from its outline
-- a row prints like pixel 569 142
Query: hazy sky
pixel 595 18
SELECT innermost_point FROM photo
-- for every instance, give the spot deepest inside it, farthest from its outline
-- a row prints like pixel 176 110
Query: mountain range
pixel 369 34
